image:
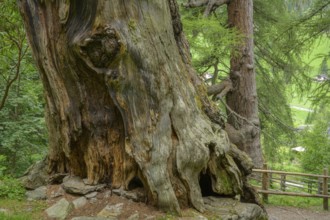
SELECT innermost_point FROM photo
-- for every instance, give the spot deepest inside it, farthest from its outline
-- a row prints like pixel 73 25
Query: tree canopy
pixel 23 135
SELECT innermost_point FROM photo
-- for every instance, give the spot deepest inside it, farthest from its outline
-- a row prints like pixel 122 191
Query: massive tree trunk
pixel 123 101
pixel 243 97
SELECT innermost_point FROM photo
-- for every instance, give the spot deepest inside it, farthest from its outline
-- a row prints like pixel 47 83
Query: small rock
pixel 28 209
pixel 66 178
pixel 36 175
pixel 59 210
pixel 37 194
pixel 93 200
pixel 200 217
pixel 58 193
pixel 135 196
pixel 107 194
pixel 111 210
pixel 77 186
pixel 80 202
pixel 91 195
pixel 135 216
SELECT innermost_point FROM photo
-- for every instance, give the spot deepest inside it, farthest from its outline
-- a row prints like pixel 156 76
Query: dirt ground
pixel 292 213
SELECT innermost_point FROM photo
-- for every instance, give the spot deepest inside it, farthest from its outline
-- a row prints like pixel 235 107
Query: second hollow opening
pixel 205 184
pixel 135 183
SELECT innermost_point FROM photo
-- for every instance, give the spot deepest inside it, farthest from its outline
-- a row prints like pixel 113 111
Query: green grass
pixel 299 117
pixel 297 100
pixel 314 59
pixel 287 166
pixel 15 217
pixel 315 56
pixel 21 209
pixel 300 202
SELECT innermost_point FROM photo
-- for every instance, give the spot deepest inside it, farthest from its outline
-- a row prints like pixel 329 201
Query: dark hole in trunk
pixel 205 183
pixel 135 183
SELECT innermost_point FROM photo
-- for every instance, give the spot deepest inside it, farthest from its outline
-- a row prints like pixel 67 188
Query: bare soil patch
pixel 293 213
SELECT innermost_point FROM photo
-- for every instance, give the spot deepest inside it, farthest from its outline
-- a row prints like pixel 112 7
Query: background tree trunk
pixel 124 103
pixel 243 97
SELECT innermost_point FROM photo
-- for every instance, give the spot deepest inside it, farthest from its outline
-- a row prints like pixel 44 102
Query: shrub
pixel 317 144
pixel 11 188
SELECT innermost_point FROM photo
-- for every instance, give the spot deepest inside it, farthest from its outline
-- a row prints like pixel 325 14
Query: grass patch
pixel 315 56
pixel 16 217
pixel 300 202
pixel 288 166
pixel 299 117
pixel 22 209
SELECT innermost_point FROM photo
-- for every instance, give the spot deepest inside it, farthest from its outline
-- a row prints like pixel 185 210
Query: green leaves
pixel 211 42
pixel 11 188
pixel 22 126
pixel 316 140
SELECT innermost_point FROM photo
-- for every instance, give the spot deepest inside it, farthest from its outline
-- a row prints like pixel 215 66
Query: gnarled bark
pixel 124 103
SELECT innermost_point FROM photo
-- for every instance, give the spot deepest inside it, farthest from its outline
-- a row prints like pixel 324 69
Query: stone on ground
pixel 37 194
pixel 80 202
pixel 111 211
pixel 36 175
pixel 135 216
pixel 76 185
pixel 91 195
pixel 59 210
pixel 230 209
pixel 58 193
pixel 135 196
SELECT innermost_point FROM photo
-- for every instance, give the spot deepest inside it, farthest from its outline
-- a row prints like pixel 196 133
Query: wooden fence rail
pixel 284 182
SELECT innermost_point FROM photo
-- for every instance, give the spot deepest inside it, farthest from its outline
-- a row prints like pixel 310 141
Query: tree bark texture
pixel 243 97
pixel 124 103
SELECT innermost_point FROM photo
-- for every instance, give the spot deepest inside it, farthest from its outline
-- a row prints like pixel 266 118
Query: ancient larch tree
pixel 240 88
pixel 123 102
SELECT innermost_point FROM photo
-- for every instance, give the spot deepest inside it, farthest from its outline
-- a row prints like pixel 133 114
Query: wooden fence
pixel 292 184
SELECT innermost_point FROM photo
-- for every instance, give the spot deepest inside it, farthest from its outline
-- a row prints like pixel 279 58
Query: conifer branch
pixel 220 89
pixel 211 5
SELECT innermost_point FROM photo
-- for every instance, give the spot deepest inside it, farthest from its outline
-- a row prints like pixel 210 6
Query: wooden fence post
pixel 265 183
pixel 283 180
pixel 325 189
pixel 320 186
pixel 310 186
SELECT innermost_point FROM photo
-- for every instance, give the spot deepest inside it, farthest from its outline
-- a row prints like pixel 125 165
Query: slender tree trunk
pixel 243 97
pixel 123 101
